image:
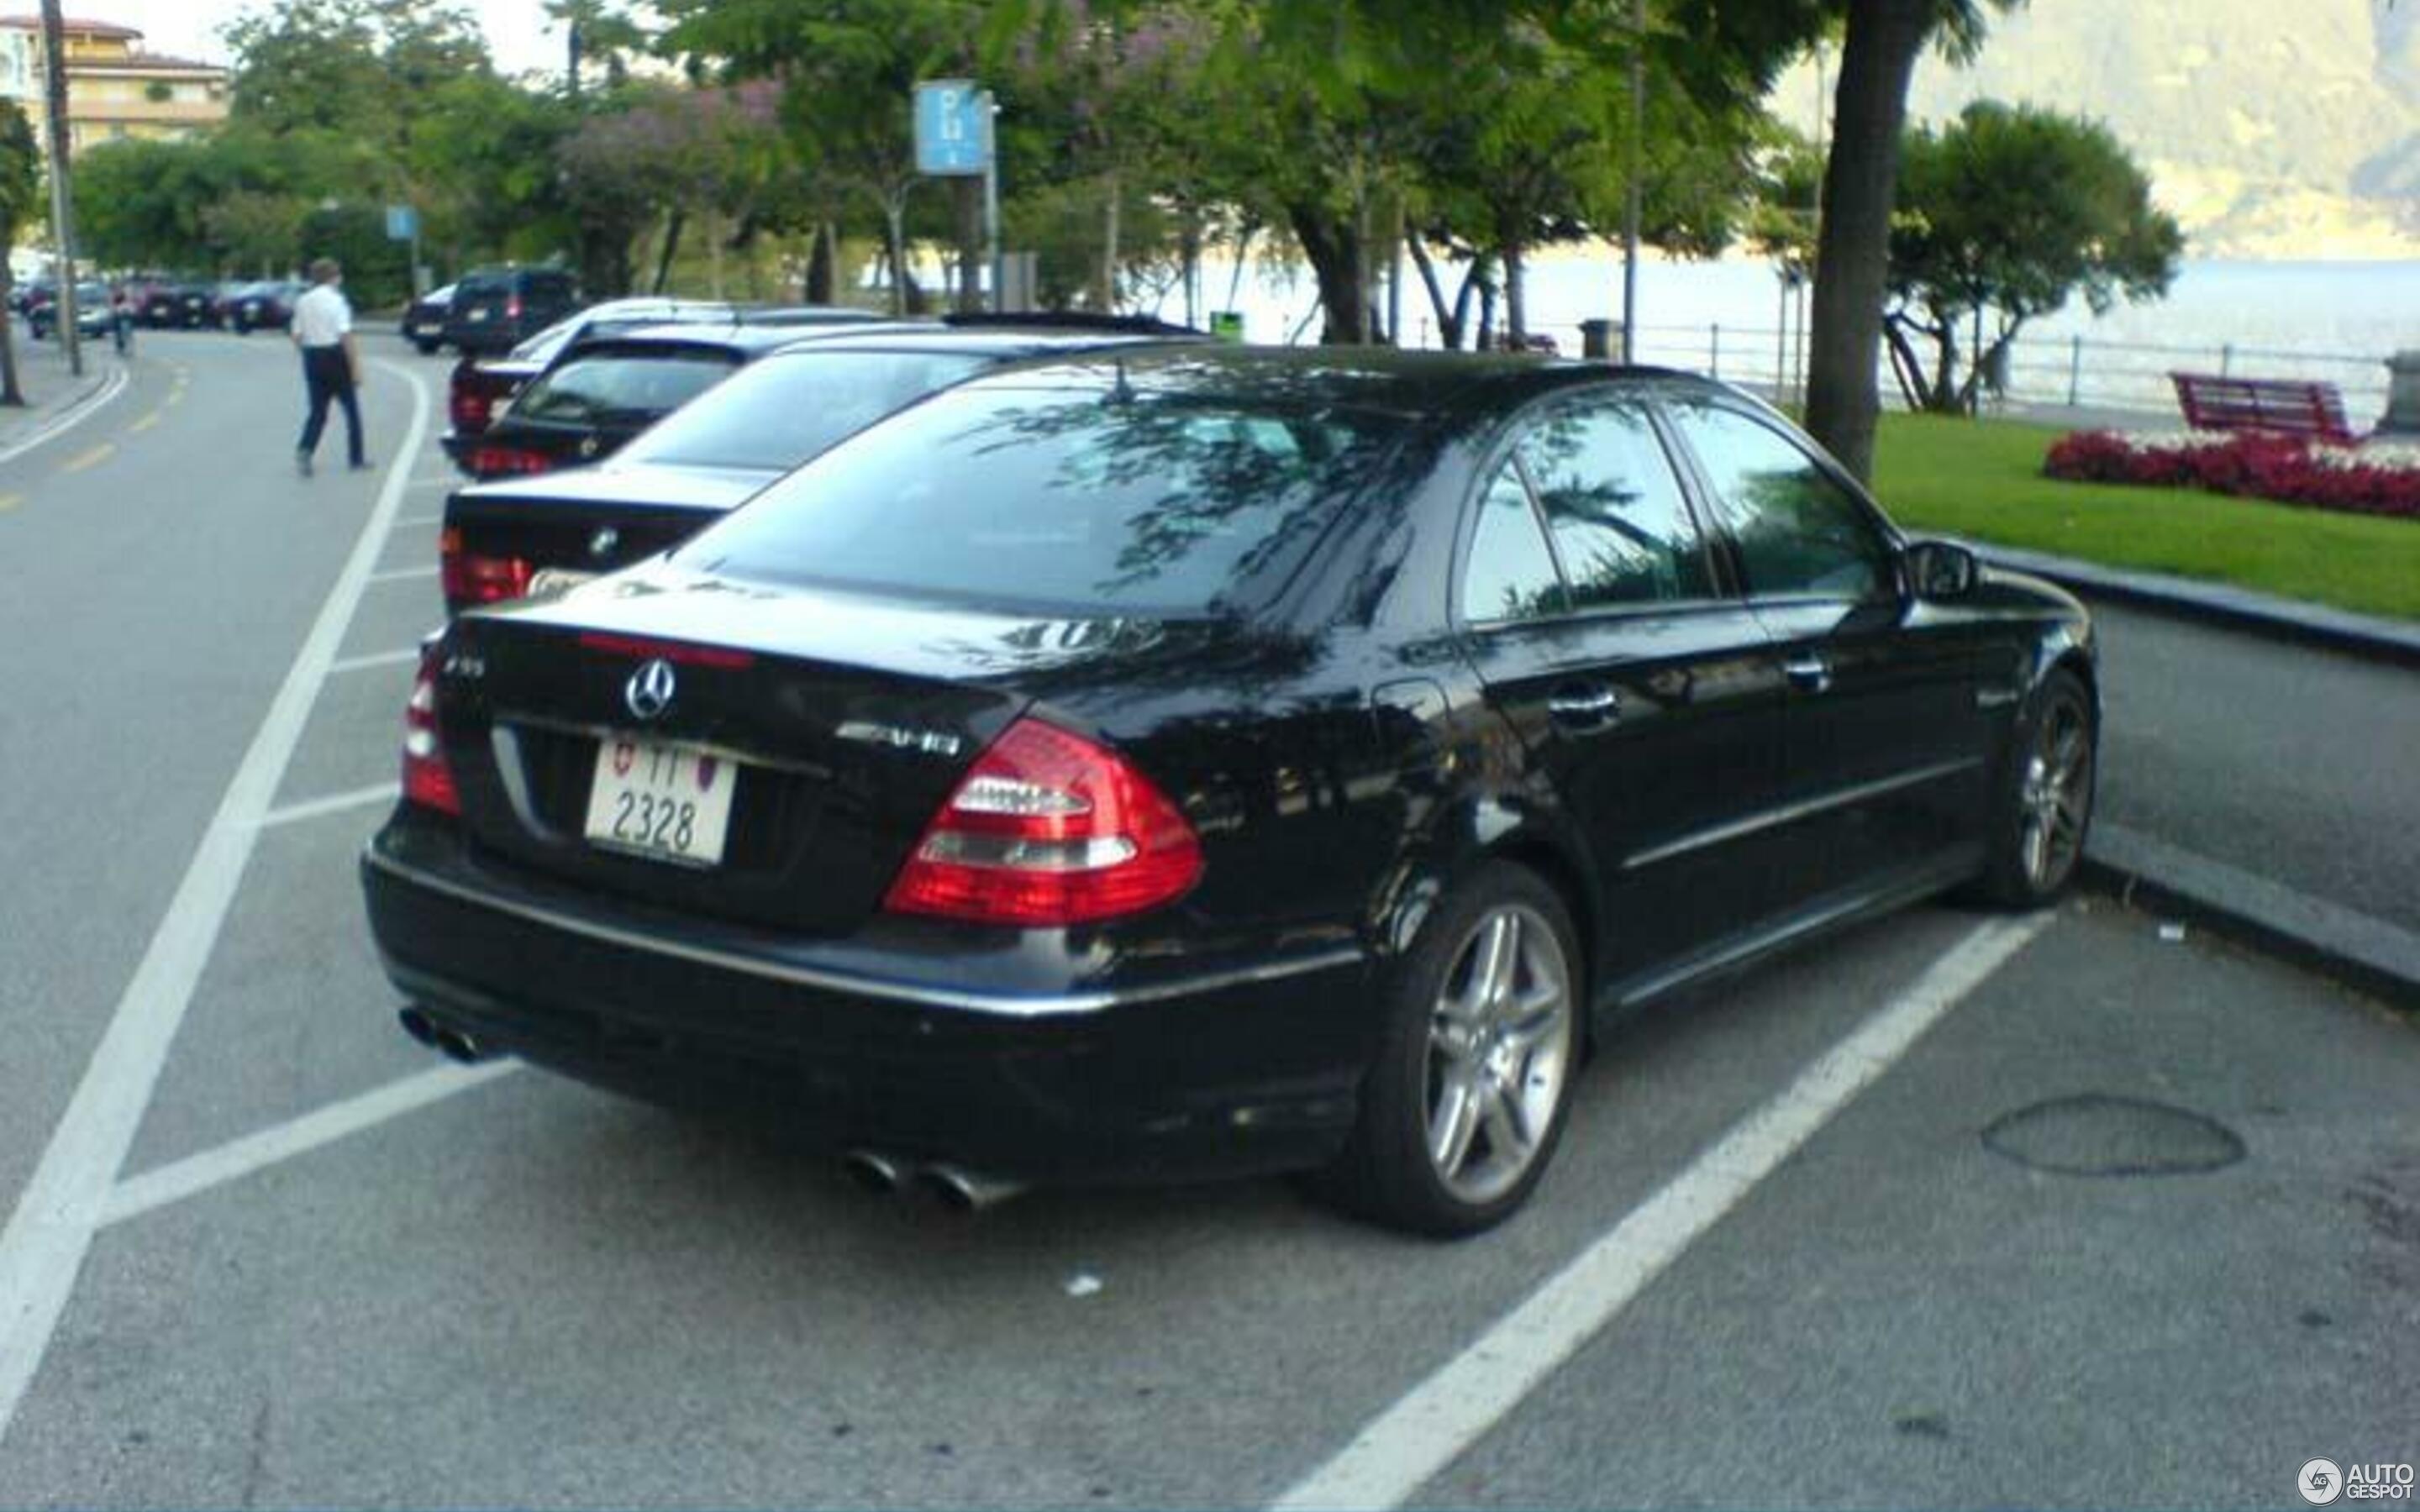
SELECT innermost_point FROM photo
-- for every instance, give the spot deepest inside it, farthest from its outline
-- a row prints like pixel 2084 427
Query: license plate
pixel 672 803
pixel 476 315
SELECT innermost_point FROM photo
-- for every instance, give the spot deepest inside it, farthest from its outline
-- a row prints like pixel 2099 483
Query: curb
pixel 46 420
pixel 2361 635
pixel 2368 954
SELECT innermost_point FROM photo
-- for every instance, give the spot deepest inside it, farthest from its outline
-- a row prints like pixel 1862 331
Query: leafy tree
pixel 596 29
pixel 21 191
pixel 2002 216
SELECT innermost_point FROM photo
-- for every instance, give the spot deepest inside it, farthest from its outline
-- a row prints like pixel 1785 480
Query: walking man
pixel 332 364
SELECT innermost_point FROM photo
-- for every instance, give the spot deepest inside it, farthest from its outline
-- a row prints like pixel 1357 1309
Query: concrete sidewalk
pixel 54 395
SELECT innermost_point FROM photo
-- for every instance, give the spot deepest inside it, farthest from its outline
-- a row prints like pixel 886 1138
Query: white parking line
pixel 378 658
pixel 1410 1443
pixel 48 1236
pixel 336 803
pixel 195 1174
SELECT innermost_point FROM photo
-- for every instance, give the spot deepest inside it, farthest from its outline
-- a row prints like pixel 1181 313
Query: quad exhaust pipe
pixel 959 1190
pixel 451 1043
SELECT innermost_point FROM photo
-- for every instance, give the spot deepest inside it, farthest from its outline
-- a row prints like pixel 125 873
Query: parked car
pixel 92 313
pixel 268 305
pixel 517 536
pixel 1165 765
pixel 424 319
pixel 185 305
pixel 479 386
pixel 494 308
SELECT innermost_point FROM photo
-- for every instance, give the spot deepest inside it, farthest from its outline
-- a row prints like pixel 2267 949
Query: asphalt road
pixel 1947 1212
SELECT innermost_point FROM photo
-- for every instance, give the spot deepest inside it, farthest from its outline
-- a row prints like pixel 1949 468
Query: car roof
pixel 745 339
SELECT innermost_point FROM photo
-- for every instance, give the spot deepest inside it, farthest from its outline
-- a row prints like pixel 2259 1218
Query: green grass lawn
pixel 1982 480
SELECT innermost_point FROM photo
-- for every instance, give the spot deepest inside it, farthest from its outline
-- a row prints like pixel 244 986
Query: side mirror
pixel 1942 570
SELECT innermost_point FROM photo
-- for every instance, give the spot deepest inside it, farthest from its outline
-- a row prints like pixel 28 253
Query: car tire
pixel 1467 1097
pixel 2042 809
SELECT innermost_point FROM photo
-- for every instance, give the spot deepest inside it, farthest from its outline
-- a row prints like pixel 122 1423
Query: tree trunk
pixel 11 393
pixel 1105 289
pixel 1335 257
pixel 1852 250
pixel 1448 319
pixel 672 226
pixel 1516 312
pixel 822 273
pixel 894 247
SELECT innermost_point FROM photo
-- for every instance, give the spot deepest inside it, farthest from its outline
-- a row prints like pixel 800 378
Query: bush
pixel 2285 470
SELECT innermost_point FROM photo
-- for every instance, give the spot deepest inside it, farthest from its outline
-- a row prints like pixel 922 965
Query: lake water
pixel 2334 320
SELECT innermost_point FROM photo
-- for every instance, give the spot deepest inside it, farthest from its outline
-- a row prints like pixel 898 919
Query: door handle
pixel 1585 705
pixel 1809 674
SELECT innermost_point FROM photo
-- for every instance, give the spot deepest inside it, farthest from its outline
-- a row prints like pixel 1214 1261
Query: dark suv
pixel 495 307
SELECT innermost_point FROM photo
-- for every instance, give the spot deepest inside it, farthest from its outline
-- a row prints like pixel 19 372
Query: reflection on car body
pixel 1192 761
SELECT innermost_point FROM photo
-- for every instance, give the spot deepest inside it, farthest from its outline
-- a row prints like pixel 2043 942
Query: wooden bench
pixel 2289 406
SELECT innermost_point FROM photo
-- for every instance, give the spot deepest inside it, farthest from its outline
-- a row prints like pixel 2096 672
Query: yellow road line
pixel 98 455
pixel 9 501
pixel 144 424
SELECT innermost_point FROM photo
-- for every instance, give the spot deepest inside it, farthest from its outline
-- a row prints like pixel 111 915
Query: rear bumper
pixel 1237 1065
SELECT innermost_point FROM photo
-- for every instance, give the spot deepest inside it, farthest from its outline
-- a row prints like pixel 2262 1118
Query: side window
pixel 1510 574
pixel 1620 526
pixel 1798 531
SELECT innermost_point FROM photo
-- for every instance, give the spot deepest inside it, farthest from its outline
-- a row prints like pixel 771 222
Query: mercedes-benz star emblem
pixel 588 445
pixel 604 541
pixel 649 692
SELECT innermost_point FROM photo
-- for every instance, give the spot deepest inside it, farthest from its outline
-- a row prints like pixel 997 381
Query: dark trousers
pixel 328 375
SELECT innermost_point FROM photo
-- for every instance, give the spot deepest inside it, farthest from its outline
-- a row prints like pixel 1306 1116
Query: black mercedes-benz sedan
pixel 1205 761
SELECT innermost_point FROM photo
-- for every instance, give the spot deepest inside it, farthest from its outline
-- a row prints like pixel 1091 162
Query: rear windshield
pixel 1143 504
pixel 606 388
pixel 785 410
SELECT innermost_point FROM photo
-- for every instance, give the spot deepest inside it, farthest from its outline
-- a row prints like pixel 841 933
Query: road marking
pixel 144 424
pixel 402 574
pixel 93 458
pixel 10 500
pixel 195 1174
pixel 449 480
pixel 1410 1443
pixel 43 1247
pixel 334 803
pixel 111 386
pixel 382 659
pixel 418 521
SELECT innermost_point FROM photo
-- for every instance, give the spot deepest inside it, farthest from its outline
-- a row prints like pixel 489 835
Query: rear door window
pixel 1613 507
pixel 1510 574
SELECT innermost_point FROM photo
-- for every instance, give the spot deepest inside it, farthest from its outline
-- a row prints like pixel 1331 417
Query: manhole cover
pixel 2096 1134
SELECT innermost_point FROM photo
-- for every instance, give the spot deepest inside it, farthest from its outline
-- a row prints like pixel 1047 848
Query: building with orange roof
pixel 115 90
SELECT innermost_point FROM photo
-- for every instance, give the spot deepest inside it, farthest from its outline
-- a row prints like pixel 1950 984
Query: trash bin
pixel 1227 325
pixel 1599 339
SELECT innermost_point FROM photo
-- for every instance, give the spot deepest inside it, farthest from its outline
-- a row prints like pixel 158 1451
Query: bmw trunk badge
pixel 649 692
pixel 604 541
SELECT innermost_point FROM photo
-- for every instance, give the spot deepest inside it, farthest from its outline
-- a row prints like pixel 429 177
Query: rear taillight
pixel 469 409
pixel 507 461
pixel 513 307
pixel 466 578
pixel 1048 828
pixel 426 780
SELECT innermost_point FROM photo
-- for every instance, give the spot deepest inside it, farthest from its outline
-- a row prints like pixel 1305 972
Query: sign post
pixel 953 140
pixel 403 224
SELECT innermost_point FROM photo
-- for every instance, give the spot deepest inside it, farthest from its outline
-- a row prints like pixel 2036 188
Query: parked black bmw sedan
pixel 1207 761
pixel 515 535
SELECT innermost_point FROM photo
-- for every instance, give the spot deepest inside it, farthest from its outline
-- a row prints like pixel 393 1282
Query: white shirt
pixel 322 316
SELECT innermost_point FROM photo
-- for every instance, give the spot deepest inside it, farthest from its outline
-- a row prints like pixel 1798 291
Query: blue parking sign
pixel 953 126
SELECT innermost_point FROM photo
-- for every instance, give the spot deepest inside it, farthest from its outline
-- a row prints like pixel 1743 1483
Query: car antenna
pixel 1122 389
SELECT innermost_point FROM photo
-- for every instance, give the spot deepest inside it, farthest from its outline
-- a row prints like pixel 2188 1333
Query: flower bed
pixel 2287 470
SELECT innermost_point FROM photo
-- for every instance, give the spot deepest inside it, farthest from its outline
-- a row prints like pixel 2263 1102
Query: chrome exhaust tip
pixel 418 1025
pixel 457 1047
pixel 963 1191
pixel 872 1171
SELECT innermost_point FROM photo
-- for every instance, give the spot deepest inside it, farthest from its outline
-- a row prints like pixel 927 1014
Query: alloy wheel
pixel 2057 797
pixel 1499 1049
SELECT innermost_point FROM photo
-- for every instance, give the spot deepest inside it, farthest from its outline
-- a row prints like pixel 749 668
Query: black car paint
pixel 1345 751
